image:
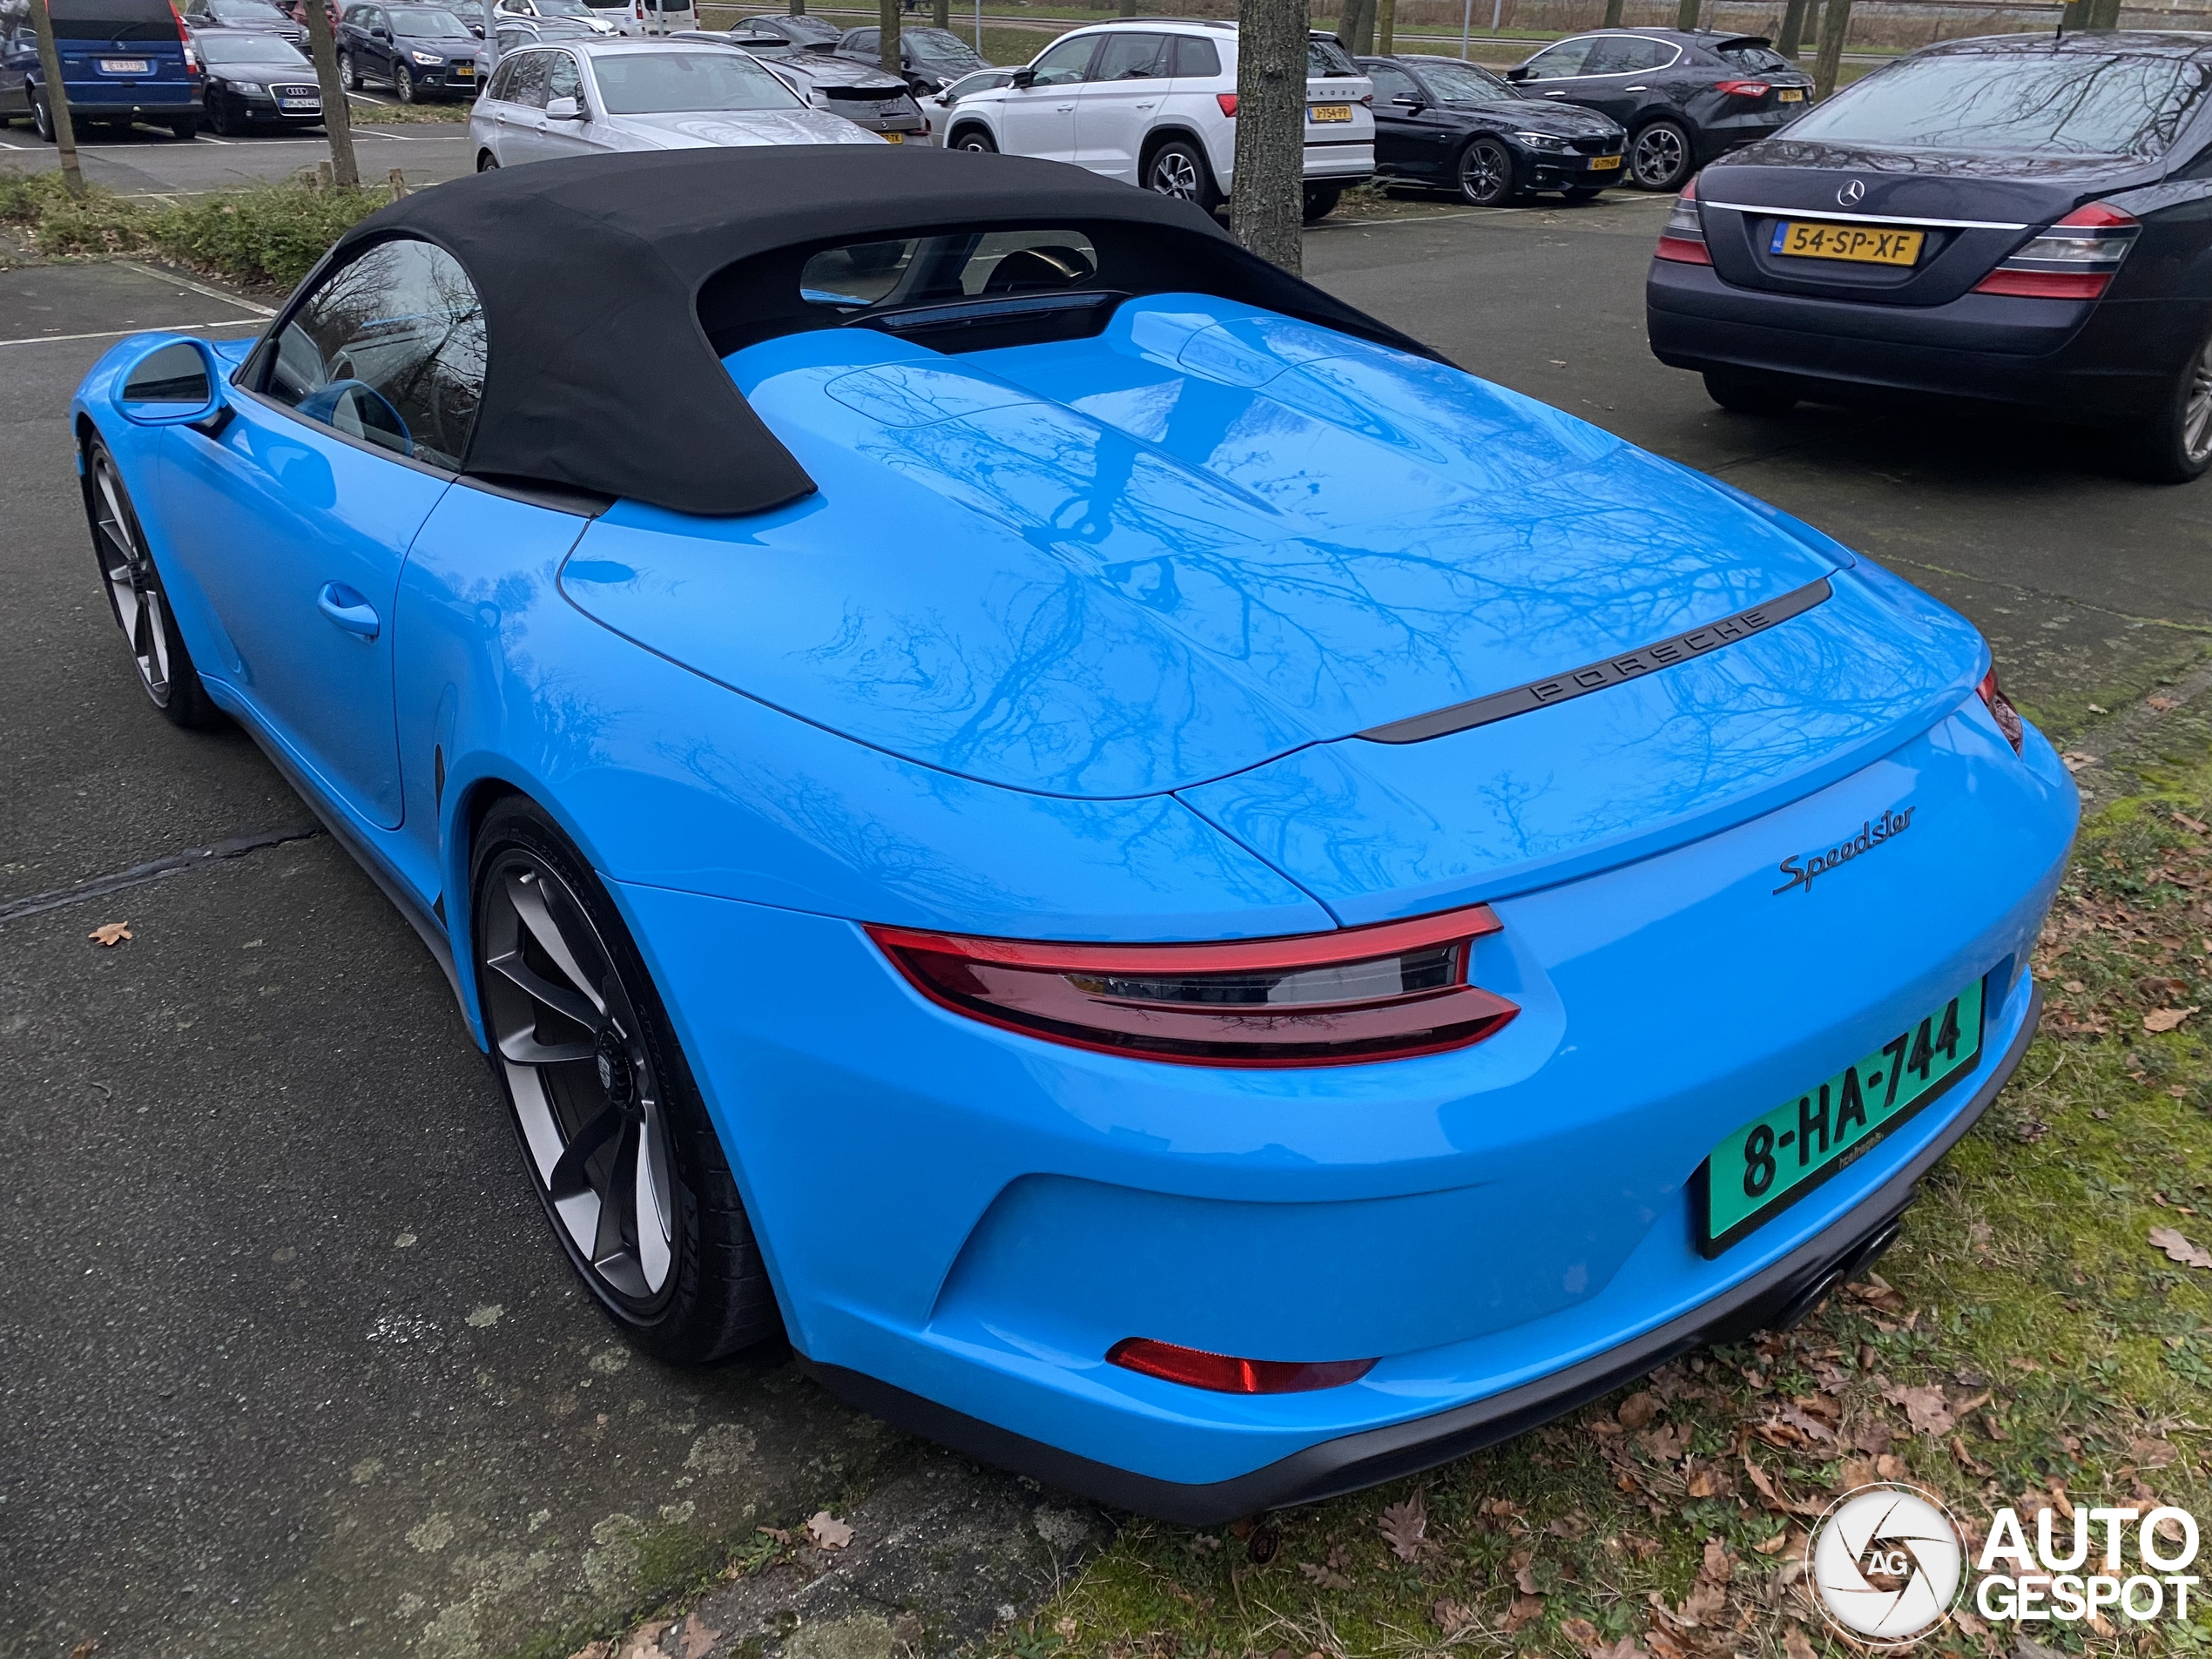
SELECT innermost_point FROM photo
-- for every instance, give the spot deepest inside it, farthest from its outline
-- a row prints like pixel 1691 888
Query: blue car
pixel 1189 898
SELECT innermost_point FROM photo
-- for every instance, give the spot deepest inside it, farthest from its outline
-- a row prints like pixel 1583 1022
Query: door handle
pixel 1635 88
pixel 1554 95
pixel 1062 109
pixel 348 610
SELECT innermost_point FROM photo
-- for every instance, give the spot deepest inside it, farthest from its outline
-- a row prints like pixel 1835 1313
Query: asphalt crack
pixel 192 858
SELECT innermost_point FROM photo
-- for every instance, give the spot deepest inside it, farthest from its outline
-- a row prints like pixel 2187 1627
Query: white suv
pixel 1154 103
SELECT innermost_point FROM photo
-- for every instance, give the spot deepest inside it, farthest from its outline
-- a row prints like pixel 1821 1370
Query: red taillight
pixel 1228 102
pixel 1385 992
pixel 1195 1368
pixel 2001 710
pixel 1742 89
pixel 2076 259
pixel 1683 237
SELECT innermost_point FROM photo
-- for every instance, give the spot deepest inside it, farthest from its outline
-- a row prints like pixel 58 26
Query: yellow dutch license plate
pixel 1332 111
pixel 464 71
pixel 895 138
pixel 1861 243
pixel 1602 164
pixel 1791 95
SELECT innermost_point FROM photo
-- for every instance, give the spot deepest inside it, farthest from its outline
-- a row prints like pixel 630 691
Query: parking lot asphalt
pixel 149 161
pixel 292 1365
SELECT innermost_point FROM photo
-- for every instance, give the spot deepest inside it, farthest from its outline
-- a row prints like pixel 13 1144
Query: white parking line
pixel 209 138
pixel 199 288
pixel 117 334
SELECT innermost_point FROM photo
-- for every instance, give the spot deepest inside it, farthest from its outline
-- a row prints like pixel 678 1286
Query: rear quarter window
pixel 1196 59
pixel 114 20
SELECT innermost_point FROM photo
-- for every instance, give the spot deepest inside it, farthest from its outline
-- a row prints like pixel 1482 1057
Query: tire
pixel 486 162
pixel 403 84
pixel 1660 157
pixel 1178 168
pixel 349 72
pixel 219 117
pixel 975 140
pixel 1751 391
pixel 42 119
pixel 2174 446
pixel 185 129
pixel 1320 204
pixel 136 598
pixel 603 1105
pixel 1485 173
pixel 1582 193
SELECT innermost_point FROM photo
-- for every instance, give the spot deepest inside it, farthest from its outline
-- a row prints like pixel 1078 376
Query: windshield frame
pixel 461 29
pixel 229 50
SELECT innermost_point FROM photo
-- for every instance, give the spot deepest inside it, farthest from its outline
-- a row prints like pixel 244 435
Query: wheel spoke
pixel 650 1203
pixel 572 1004
pixel 528 898
pixel 613 1252
pixel 567 1175
pixel 525 1048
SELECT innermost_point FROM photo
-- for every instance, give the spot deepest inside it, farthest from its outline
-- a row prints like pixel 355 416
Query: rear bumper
pixel 159 103
pixel 2109 361
pixel 1339 161
pixel 1777 1296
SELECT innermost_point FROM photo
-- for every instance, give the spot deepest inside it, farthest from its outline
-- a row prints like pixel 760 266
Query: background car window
pixel 1327 58
pixel 1196 59
pixel 389 349
pixel 2069 104
pixel 423 23
pixel 864 40
pixel 1621 55
pixel 1133 58
pixel 930 270
pixel 1762 59
pixel 1464 84
pixel 528 84
pixel 1065 62
pixel 941 46
pixel 267 49
pixel 117 20
pixel 1562 61
pixel 688 83
pixel 563 78
pixel 1394 85
pixel 502 78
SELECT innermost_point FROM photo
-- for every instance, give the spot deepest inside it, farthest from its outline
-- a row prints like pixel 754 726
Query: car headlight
pixel 252 89
pixel 1543 141
pixel 429 60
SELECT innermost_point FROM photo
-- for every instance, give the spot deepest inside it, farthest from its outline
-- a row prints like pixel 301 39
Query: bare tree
pixel 1613 9
pixel 887 15
pixel 1793 28
pixel 1834 24
pixel 1267 198
pixel 1686 14
pixel 1356 28
pixel 941 14
pixel 55 97
pixel 1387 27
pixel 337 114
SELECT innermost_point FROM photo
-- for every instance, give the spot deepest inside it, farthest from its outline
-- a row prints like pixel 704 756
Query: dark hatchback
pixel 931 59
pixel 798 29
pixel 2019 219
pixel 1442 121
pixel 255 77
pixel 421 51
pixel 1683 96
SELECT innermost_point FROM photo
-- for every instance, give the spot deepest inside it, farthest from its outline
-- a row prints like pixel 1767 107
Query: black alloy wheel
pixel 135 597
pixel 616 1140
pixel 349 72
pixel 403 84
pixel 1176 169
pixel 1659 157
pixel 219 117
pixel 975 141
pixel 2174 446
pixel 1485 173
pixel 486 162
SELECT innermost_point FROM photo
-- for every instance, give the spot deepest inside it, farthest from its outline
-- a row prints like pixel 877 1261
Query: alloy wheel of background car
pixel 42 119
pixel 403 84
pixel 977 140
pixel 1659 157
pixel 487 163
pixel 349 72
pixel 219 117
pixel 2174 446
pixel 625 1163
pixel 1485 173
pixel 1176 169
pixel 135 597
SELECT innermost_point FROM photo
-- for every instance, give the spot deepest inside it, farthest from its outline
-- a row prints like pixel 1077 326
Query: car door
pixel 1038 119
pixel 585 135
pixel 1627 77
pixel 19 52
pixel 295 514
pixel 383 49
pixel 1556 71
pixel 1118 105
pixel 519 119
pixel 1407 133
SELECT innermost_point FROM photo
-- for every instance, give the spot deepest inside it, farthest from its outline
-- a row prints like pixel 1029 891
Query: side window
pixel 531 71
pixel 1196 59
pixel 1066 62
pixel 1638 54
pixel 389 350
pixel 562 80
pixel 1394 85
pixel 866 40
pixel 1561 61
pixel 1133 58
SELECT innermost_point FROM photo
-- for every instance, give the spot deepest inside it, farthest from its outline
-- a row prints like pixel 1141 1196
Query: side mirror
pixel 1519 72
pixel 563 109
pixel 477 29
pixel 1413 103
pixel 1023 77
pixel 382 32
pixel 172 383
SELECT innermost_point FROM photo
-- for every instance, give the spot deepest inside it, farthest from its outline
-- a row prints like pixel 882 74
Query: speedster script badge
pixel 1802 868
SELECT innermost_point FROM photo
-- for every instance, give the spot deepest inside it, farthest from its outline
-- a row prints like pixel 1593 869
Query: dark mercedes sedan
pixel 1448 124
pixel 2019 219
pixel 1684 95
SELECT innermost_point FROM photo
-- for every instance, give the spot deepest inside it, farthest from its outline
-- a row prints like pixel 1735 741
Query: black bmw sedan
pixel 2019 219
pixel 1440 122
pixel 1684 96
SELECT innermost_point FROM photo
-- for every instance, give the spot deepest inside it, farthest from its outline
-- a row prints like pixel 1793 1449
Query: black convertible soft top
pixel 602 375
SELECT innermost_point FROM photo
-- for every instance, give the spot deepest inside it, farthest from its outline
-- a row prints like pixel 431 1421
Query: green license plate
pixel 1776 1158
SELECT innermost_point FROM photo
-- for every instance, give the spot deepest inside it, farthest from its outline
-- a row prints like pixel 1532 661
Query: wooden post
pixel 1267 198
pixel 1834 24
pixel 57 100
pixel 337 114
pixel 1386 28
pixel 1791 43
pixel 886 18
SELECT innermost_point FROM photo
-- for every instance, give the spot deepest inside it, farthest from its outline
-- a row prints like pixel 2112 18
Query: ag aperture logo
pixel 1885 1564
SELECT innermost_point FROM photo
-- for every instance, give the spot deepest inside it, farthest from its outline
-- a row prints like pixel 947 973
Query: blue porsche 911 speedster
pixel 1189 898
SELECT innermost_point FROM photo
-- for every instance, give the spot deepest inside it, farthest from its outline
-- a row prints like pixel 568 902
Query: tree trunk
pixel 1266 205
pixel 1686 14
pixel 1128 8
pixel 50 68
pixel 1356 26
pixel 941 13
pixel 1613 9
pixel 1386 28
pixel 1834 24
pixel 887 15
pixel 1793 29
pixel 797 7
pixel 337 114
pixel 2104 14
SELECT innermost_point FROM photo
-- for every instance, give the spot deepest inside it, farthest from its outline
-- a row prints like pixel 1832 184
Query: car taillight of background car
pixel 2076 259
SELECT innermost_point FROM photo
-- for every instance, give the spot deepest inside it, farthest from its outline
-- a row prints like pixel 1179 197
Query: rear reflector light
pixel 2076 259
pixel 1195 1368
pixel 1385 992
pixel 2001 710
pixel 1683 237
pixel 1228 102
pixel 1742 89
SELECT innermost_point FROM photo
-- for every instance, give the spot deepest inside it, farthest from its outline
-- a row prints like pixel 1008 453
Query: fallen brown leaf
pixel 1624 1649
pixel 1889 1468
pixel 1704 1603
pixel 1525 1609
pixel 2180 1249
pixel 2153 1455
pixel 1523 1563
pixel 694 1639
pixel 1451 1617
pixel 643 1641
pixel 1323 1577
pixel 1966 1459
pixel 1638 1410
pixel 1927 1409
pixel 827 1531
pixel 1405 1527
pixel 110 933
pixel 1773 1546
pixel 593 1650
pixel 1797 1645
pixel 2156 1021
pixel 1719 1566
pixel 1581 1632
pixel 1707 1483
